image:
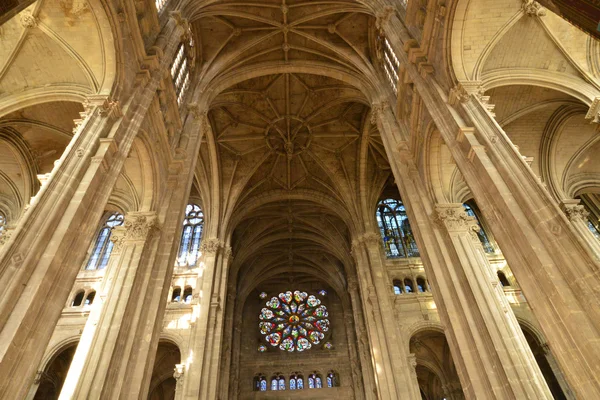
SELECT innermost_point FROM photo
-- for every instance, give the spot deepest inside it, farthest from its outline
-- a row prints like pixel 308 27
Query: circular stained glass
pixel 263 295
pixel 262 348
pixel 323 292
pixel 294 321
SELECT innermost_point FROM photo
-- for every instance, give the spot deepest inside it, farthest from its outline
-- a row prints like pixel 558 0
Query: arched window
pixel 485 242
pixel 421 285
pixel 189 248
pixel 397 287
pixel 502 278
pixel 176 295
pixel 89 300
pixel 78 299
pixel 299 382
pixel 187 295
pixel 311 381
pixel 103 246
pixel 260 383
pixel 293 382
pixel 398 239
pixel 274 383
pixel 389 61
pixel 281 382
pixel 408 286
pixel 332 380
pixel 318 382
pixel 181 67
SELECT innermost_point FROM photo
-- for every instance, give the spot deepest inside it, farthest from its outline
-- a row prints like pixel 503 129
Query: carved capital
pixel 455 219
pixel 383 17
pixel 574 211
pixel 5 235
pixel 179 19
pixel 371 238
pixel 178 373
pixel 211 246
pixel 196 112
pixel 533 8
pixel 593 113
pixel 463 90
pixel 136 228
pixel 412 362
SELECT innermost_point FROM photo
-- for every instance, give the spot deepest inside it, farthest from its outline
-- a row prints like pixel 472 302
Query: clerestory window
pixel 181 67
pixel 189 248
pixel 103 246
pixel 397 236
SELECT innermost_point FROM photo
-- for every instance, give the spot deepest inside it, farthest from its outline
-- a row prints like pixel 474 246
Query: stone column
pixel 178 374
pixel 577 214
pixel 392 375
pixel 556 272
pixel 104 350
pixel 41 260
pixel 492 357
pixel 204 360
pixel 506 357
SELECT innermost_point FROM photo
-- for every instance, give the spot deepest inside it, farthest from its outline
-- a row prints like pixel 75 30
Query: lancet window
pixel 483 238
pixel 296 382
pixel 260 383
pixel 103 246
pixel 397 236
pixel 189 248
pixel 332 380
pixel 315 381
pixel 182 65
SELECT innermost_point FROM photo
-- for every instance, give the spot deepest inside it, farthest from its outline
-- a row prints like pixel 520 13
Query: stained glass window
pixel 408 286
pixel 189 248
pixel 331 379
pixel 292 382
pixel 274 383
pixel 318 383
pixel 263 295
pixel 483 238
pixel 398 239
pixel 299 382
pixel 311 381
pixel 294 321
pixel 397 287
pixel 263 385
pixel 103 246
pixel 2 223
pixel 322 292
pixel 328 345
pixel 281 382
pixel 262 348
pixel 260 383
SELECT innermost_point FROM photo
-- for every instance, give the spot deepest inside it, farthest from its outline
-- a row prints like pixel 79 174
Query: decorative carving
pixel 593 113
pixel 110 108
pixel 575 212
pixel 371 238
pixel 454 218
pixel 211 246
pixel 383 17
pixel 136 228
pixel 179 20
pixel 457 95
pixel 28 20
pixel 195 112
pixel 533 8
pixel 412 362
pixel 4 236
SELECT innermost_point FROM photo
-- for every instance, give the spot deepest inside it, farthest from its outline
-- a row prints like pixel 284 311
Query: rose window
pixel 294 321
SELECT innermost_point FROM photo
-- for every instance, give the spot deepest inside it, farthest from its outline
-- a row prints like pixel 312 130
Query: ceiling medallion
pixel 288 136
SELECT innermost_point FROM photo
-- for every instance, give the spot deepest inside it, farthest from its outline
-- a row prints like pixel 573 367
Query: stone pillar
pixel 392 375
pixel 178 375
pixel 204 360
pixel 104 350
pixel 412 362
pixel 40 262
pixel 577 214
pixel 491 355
pixel 556 272
pixel 504 355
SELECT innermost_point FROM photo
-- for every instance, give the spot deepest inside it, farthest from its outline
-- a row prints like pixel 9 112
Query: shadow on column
pixel 53 376
pixel 162 386
pixel 540 353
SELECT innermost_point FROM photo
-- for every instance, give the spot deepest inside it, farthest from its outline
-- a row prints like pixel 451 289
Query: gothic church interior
pixel 286 199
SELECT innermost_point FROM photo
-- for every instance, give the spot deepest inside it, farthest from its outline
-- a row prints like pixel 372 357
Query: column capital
pixel 533 8
pixel 211 245
pixel 377 110
pixel 455 219
pixel 573 210
pixel 136 228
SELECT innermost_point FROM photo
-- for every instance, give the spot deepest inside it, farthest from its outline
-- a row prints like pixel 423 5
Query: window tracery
pixel 189 248
pixel 103 246
pixel 294 321
pixel 397 236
